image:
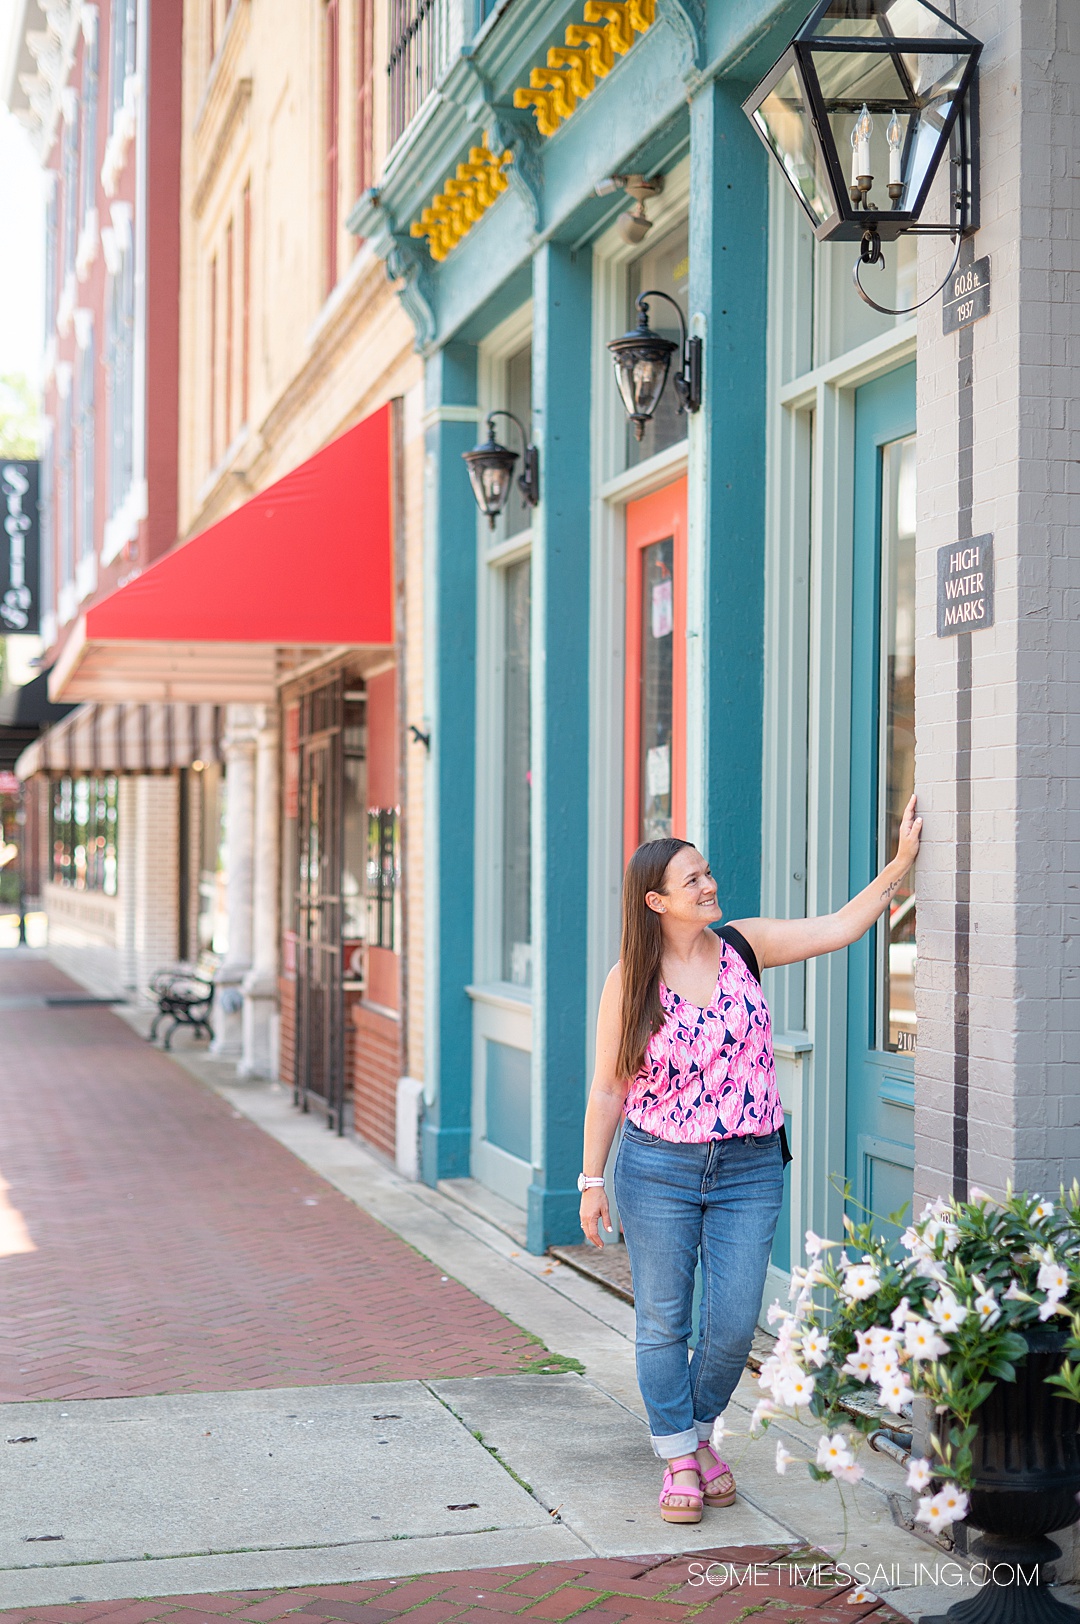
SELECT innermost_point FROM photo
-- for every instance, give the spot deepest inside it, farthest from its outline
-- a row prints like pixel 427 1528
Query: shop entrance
pixel 655 740
pixel 329 722
pixel 882 1033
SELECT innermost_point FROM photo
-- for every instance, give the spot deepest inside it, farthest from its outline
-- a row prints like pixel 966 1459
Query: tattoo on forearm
pixel 888 891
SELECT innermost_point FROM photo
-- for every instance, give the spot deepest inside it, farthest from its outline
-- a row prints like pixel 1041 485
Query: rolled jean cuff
pixel 673 1444
pixel 704 1430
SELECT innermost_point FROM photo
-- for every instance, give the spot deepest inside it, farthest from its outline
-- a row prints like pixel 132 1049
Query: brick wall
pixel 1023 1016
pixel 376 1068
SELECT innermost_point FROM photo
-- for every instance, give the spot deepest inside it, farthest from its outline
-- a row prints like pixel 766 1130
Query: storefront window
pixel 517 871
pixel 897 738
pixel 355 834
pixel 383 877
pixel 84 825
pixel 657 687
pixel 665 266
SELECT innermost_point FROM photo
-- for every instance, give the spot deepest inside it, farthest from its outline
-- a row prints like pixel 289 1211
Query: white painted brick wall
pixel 1025 770
pixel 156 876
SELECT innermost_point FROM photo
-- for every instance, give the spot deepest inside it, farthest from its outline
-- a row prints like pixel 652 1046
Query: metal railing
pixel 419 51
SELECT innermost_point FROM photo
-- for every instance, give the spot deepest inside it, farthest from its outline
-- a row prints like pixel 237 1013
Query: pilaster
pixel 260 1012
pixel 241 729
pixel 450 687
pixel 562 311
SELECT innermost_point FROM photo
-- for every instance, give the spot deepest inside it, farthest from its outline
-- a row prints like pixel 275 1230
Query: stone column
pixel 259 1055
pixel 239 744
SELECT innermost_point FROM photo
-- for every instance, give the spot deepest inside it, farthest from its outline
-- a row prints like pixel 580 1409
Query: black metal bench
pixel 183 996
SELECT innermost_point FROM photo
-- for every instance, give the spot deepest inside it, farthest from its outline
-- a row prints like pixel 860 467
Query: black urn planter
pixel 1026 1478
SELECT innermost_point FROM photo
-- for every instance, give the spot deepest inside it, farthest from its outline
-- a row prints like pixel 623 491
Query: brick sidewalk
pixel 177 1248
pixel 641 1590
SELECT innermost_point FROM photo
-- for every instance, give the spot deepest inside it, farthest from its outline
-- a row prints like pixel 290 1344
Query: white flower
pixel 895 1392
pixel 859 1364
pixel 794 1388
pixel 949 1505
pixel 857 1597
pixel 848 1474
pixel 1043 1210
pixel 774 1312
pixel 923 1342
pixel 815 1245
pixel 987 1308
pixel 833 1452
pixel 901 1314
pixel 860 1282
pixel 979 1195
pixel 947 1312
pixel 1054 1280
pixel 1052 1305
pixel 815 1347
pixel 763 1412
pixel 1014 1293
pixel 919 1472
pixel 783 1458
pixel 719 1432
pixel 937 1208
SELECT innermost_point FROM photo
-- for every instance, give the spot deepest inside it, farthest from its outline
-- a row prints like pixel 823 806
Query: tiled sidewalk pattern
pixel 641 1590
pixel 177 1248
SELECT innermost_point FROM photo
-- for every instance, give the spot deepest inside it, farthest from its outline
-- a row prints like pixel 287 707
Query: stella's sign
pixel 20 547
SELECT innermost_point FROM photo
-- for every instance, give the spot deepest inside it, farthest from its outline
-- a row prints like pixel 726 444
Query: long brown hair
pixel 641 952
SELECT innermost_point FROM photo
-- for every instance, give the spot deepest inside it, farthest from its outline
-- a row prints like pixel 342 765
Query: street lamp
pixel 491 468
pixel 642 359
pixel 860 112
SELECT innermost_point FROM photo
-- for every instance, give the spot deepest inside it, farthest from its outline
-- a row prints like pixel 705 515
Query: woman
pixel 684 1054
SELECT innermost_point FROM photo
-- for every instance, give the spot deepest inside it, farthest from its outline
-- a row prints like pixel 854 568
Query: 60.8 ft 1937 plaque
pixel 966 296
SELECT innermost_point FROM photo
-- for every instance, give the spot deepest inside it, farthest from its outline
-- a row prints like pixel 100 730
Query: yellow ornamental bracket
pixel 642 14
pixel 589 53
pixel 540 101
pixel 557 80
pixel 616 13
pixel 579 69
pixel 597 43
pixel 465 196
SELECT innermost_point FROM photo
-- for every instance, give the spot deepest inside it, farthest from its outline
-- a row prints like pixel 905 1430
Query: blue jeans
pixel 721 1199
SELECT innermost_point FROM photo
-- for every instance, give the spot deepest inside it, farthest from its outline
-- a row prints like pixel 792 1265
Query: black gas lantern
pixel 491 468
pixel 642 359
pixel 860 112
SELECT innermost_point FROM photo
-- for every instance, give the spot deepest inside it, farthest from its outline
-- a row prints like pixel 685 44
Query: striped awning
pixel 127 738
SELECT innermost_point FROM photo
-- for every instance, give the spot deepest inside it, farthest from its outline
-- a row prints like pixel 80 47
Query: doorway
pixel 655 739
pixel 882 1030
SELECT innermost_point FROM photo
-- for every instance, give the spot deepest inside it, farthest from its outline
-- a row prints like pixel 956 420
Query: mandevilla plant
pixel 943 1317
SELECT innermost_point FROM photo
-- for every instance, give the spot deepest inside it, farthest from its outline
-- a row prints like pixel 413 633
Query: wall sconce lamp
pixel 491 468
pixel 642 359
pixel 873 94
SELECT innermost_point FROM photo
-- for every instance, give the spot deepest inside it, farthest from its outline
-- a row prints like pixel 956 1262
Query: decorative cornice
pixel 233 114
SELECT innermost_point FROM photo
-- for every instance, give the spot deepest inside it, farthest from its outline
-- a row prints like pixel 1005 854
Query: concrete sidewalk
pixel 266 1482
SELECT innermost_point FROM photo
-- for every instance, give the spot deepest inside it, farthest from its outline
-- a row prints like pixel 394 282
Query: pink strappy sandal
pixel 680 1514
pixel 716 1496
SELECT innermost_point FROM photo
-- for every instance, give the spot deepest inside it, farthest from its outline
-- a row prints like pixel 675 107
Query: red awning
pixel 304 566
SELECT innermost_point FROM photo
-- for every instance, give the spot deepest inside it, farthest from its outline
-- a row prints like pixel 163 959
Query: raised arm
pixel 604 1110
pixel 787 941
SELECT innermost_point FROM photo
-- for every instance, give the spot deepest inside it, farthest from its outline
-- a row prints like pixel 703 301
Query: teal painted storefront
pixel 539 283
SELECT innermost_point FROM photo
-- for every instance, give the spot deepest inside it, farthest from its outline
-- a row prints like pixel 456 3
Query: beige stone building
pixel 292 598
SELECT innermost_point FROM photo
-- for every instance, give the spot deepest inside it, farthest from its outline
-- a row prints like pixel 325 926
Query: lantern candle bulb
pixel 894 136
pixel 866 129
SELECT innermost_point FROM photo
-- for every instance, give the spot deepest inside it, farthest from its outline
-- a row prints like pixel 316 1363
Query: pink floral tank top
pixel 709 1073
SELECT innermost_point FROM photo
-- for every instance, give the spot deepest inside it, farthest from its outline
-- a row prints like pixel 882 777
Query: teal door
pixel 881 968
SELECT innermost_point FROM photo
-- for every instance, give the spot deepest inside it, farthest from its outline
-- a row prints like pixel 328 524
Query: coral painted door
pixel 655 742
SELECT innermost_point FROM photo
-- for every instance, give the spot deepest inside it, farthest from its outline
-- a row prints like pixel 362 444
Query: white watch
pixel 585 1182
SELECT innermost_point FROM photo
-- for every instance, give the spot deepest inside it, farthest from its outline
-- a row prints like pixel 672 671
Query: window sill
pixel 501 995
